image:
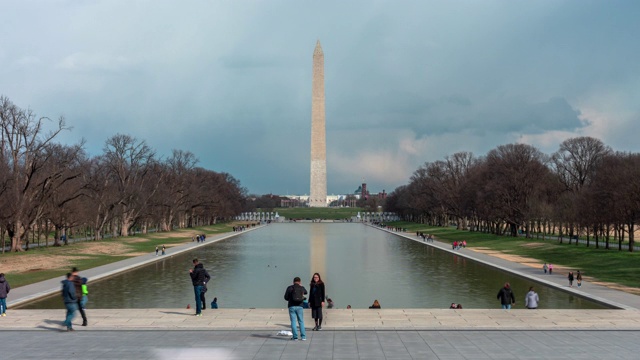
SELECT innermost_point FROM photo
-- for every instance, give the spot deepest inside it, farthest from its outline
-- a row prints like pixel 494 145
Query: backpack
pixel 297 295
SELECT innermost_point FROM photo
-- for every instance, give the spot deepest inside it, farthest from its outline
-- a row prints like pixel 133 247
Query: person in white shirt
pixel 531 299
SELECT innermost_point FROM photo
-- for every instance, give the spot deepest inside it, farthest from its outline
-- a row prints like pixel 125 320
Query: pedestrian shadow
pixel 275 337
pixel 175 313
pixel 57 323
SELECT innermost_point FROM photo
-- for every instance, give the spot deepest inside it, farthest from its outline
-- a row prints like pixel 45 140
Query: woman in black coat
pixel 316 300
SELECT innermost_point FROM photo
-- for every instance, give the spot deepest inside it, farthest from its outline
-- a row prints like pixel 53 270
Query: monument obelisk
pixel 318 192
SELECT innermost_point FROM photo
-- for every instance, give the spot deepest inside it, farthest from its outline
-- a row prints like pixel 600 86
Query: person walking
pixel 545 267
pixel 198 279
pixel 579 278
pixel 77 283
pixel 163 249
pixel 531 299
pixel 70 301
pixel 550 269
pixel 570 277
pixel 295 295
pixel 157 250
pixel 4 291
pixel 316 300
pixel 506 297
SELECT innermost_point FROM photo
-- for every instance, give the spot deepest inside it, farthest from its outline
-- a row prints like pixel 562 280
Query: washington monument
pixel 318 192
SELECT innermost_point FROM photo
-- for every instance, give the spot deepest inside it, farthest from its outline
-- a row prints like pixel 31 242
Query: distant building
pixel 341 200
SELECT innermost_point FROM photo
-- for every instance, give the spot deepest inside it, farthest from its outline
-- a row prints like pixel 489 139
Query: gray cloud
pixel 406 82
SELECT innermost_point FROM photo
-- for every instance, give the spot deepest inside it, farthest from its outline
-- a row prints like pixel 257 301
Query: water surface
pixel 358 263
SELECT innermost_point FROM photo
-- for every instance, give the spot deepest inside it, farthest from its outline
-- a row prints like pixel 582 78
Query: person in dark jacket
pixel 506 296
pixel 199 278
pixel 4 291
pixel 570 277
pixel 296 315
pixel 70 300
pixel 204 289
pixel 316 300
pixel 77 282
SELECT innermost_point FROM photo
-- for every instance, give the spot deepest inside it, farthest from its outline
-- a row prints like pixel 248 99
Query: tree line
pixel 583 189
pixel 47 187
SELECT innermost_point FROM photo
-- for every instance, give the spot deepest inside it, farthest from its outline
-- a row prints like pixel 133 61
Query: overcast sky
pixel 406 81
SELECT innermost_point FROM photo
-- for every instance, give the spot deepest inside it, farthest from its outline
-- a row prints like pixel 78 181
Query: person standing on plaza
pixel 295 295
pixel 506 297
pixel 579 278
pixel 156 250
pixel 204 289
pixel 570 277
pixel 316 300
pixel 85 294
pixel 531 299
pixel 198 279
pixel 70 300
pixel 545 267
pixel 4 291
pixel 77 282
pixel 550 269
pixel 163 249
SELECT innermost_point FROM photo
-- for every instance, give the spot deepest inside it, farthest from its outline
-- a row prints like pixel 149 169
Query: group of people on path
pixel 164 249
pixel 199 238
pixel 75 297
pixel 425 238
pixel 578 276
pixel 457 245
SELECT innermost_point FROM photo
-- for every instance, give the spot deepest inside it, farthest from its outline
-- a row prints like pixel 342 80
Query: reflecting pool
pixel 358 264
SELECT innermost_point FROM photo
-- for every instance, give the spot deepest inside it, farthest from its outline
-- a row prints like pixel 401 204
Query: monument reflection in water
pixel 358 263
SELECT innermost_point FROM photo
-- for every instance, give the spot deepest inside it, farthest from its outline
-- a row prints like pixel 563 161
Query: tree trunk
pixel 631 240
pixel 15 232
pixel 620 235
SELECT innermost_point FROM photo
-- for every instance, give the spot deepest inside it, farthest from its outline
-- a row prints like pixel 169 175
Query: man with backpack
pixel 295 295
pixel 199 278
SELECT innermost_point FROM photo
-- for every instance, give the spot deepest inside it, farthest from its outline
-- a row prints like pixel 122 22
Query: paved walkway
pixel 347 334
pixel 371 345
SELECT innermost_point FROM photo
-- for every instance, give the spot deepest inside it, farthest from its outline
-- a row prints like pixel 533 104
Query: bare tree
pixel 25 150
pixel 516 175
pixel 66 188
pixel 577 159
pixel 173 196
pixel 129 163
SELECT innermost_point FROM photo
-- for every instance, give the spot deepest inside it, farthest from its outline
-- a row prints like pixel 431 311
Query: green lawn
pixel 615 266
pixel 318 213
